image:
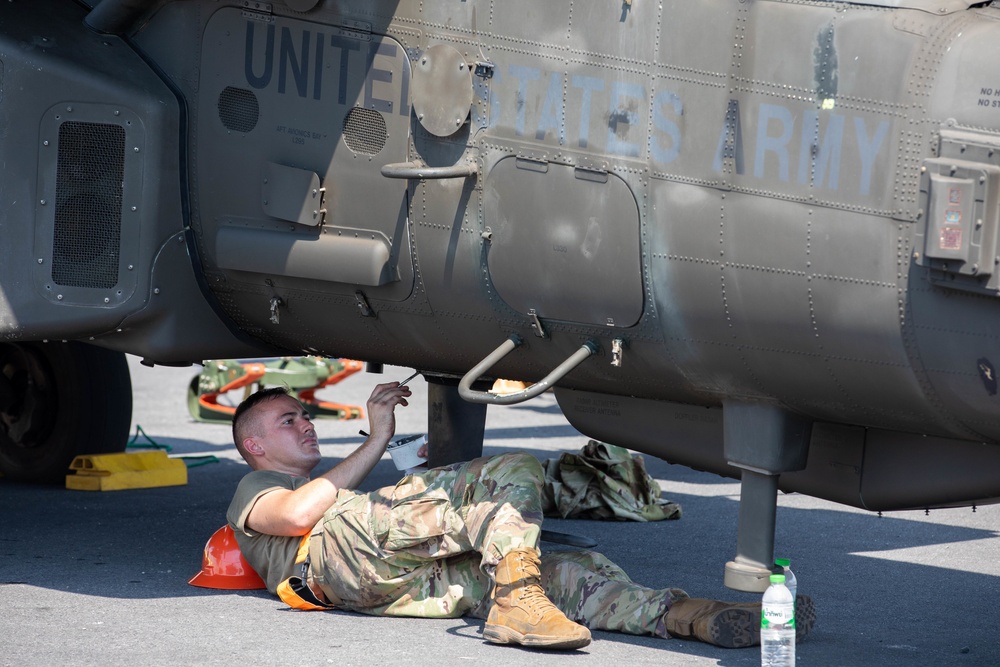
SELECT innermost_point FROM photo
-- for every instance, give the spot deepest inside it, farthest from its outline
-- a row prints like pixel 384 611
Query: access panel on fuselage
pixel 302 103
pixel 565 242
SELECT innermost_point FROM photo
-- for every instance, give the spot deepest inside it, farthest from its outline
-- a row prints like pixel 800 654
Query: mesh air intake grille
pixel 89 180
pixel 364 131
pixel 238 109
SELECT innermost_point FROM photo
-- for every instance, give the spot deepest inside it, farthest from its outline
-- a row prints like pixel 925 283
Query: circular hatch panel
pixel 442 90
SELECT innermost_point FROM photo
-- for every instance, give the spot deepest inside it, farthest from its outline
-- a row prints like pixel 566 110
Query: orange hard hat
pixel 223 564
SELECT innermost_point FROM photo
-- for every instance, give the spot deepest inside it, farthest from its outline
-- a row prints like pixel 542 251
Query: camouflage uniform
pixel 428 546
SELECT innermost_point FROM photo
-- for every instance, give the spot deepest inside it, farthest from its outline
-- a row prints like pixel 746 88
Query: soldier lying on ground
pixel 452 541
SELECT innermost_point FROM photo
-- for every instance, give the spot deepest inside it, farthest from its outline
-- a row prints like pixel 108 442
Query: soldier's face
pixel 286 437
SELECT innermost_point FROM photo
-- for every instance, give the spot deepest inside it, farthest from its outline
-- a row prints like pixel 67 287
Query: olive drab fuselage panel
pixel 787 203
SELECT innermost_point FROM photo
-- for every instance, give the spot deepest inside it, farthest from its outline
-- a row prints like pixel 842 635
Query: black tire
pixel 59 400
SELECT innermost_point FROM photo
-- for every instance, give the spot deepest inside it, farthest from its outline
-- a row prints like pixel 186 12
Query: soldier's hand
pixel 381 409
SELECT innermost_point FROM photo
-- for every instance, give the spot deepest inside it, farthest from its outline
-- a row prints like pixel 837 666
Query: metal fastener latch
pixel 484 70
pixel 363 305
pixel 536 324
pixel 276 303
pixel 617 351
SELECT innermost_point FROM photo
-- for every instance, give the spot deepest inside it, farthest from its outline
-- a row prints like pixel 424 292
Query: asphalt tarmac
pixel 100 578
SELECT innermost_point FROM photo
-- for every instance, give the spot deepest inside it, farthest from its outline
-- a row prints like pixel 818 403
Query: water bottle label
pixel 782 614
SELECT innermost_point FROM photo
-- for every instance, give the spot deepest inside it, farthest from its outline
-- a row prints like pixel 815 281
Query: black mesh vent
pixel 89 177
pixel 364 131
pixel 238 109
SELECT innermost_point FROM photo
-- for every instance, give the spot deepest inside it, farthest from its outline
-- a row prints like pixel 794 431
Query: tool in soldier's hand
pixel 409 378
pixel 415 374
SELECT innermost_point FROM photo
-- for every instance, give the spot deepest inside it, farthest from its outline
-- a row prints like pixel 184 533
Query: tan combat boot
pixel 522 614
pixel 713 622
pixel 729 624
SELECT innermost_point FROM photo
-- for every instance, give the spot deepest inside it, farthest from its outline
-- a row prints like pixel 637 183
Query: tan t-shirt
pixel 272 556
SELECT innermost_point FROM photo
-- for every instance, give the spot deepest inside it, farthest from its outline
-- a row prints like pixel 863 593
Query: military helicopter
pixel 755 237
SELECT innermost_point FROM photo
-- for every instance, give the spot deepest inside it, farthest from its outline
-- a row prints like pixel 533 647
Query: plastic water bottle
pixel 777 625
pixel 790 583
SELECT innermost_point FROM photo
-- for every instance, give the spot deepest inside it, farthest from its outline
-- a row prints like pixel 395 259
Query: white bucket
pixel 404 452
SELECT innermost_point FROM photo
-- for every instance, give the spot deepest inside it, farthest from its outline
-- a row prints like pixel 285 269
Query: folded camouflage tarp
pixel 603 481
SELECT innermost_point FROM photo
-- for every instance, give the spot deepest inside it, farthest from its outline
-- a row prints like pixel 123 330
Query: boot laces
pixel 533 597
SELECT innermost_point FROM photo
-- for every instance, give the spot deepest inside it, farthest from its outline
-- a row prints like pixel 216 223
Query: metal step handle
pixel 466 391
pixel 419 170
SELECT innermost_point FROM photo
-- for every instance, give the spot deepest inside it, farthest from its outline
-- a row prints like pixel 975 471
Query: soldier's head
pixel 272 431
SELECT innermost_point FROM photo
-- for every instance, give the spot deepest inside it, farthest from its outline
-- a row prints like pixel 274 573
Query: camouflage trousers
pixel 428 547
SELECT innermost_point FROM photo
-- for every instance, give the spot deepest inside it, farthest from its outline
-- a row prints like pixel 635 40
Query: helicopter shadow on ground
pixel 146 543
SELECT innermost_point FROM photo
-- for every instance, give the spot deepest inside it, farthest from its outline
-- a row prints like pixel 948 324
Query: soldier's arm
pixel 288 512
